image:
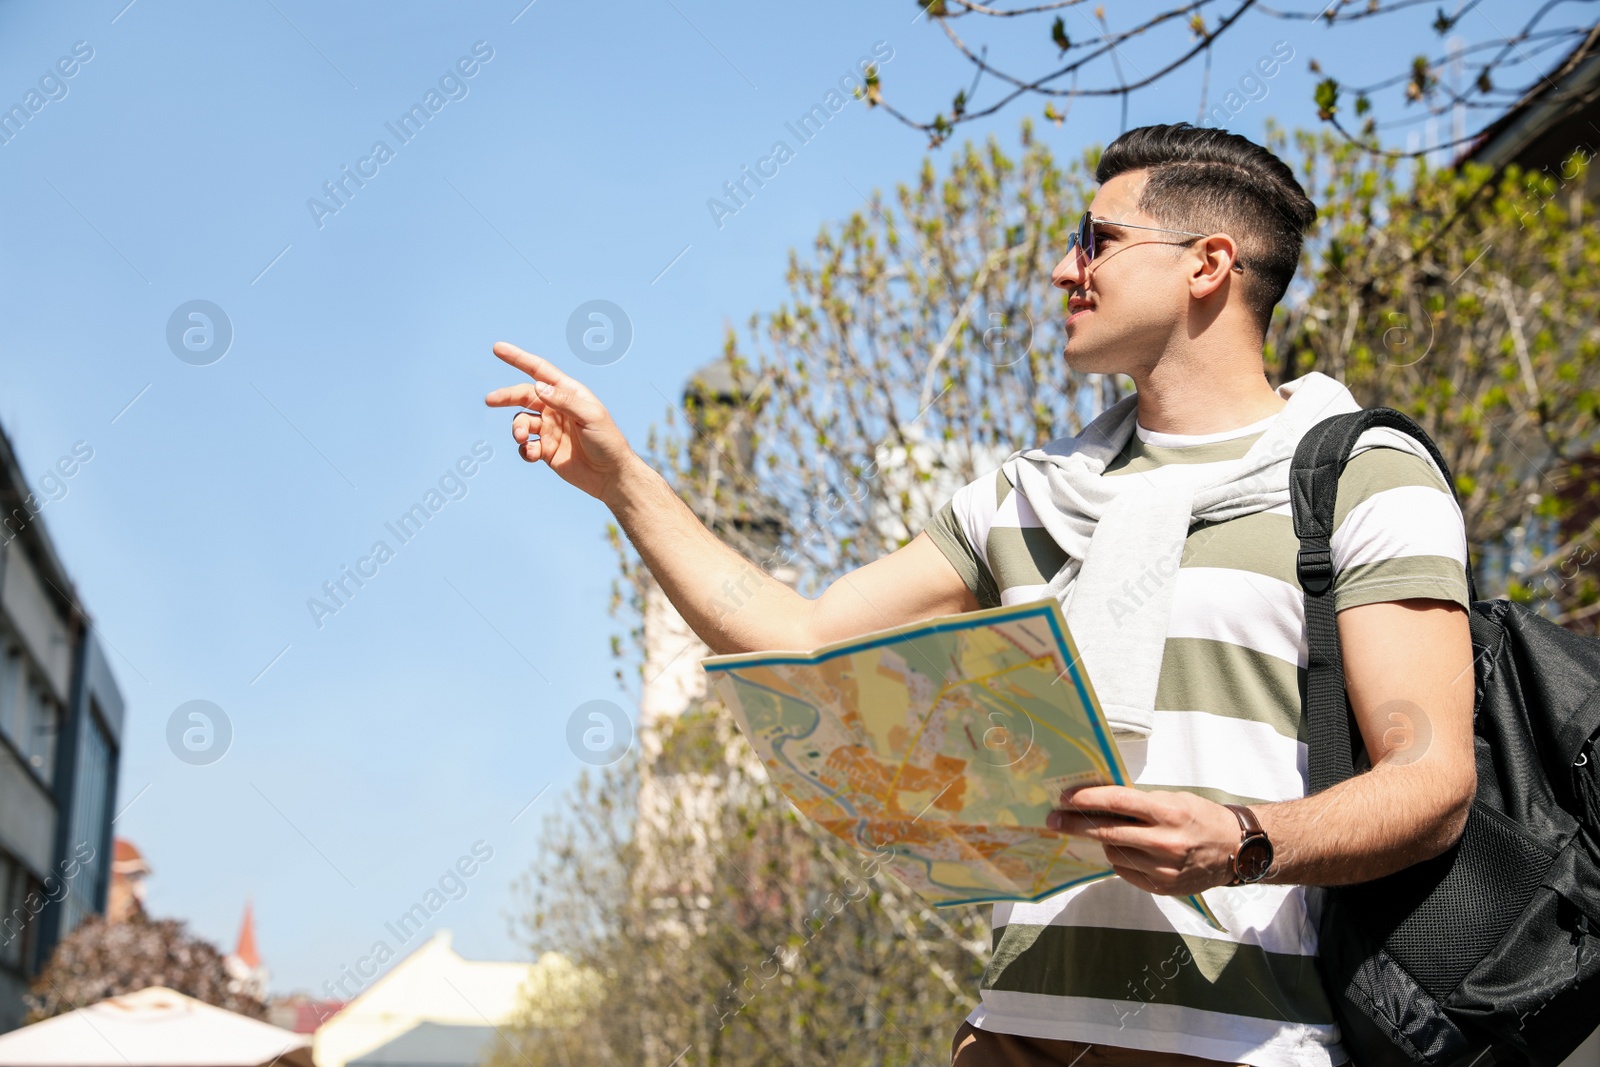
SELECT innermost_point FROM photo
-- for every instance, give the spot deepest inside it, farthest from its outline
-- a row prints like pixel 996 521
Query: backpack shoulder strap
pixel 1319 460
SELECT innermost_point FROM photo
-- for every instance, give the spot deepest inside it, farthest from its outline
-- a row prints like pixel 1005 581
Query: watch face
pixel 1255 856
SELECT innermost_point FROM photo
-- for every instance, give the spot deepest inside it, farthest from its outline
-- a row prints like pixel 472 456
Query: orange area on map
pixel 865 773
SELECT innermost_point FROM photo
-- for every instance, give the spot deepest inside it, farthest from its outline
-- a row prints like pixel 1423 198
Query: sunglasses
pixel 1083 236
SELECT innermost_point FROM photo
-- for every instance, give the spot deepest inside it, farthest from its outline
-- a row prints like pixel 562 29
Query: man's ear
pixel 1212 264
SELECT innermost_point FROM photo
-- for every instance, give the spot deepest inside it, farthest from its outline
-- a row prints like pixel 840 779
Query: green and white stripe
pixel 1107 963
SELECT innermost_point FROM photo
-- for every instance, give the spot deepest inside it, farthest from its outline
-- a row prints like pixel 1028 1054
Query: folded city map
pixel 940 746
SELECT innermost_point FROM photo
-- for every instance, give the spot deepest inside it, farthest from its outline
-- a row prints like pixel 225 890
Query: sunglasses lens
pixel 1085 236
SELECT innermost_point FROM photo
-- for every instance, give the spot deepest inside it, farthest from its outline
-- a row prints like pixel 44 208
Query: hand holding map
pixel 941 745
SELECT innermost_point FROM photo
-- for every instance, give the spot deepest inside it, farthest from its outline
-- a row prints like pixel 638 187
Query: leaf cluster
pixel 1472 303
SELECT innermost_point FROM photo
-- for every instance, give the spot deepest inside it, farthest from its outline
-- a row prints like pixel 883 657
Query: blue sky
pixel 372 752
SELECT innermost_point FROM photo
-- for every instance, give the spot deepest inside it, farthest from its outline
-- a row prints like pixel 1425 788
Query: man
pixel 1191 240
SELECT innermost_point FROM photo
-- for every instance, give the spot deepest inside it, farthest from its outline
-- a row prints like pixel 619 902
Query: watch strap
pixel 1248 822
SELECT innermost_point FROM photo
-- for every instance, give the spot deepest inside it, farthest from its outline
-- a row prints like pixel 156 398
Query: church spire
pixel 245 972
pixel 246 948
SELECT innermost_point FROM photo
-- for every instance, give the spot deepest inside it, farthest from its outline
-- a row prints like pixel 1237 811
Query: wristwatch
pixel 1253 858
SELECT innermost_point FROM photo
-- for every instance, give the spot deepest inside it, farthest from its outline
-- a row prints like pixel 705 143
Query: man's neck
pixel 1201 394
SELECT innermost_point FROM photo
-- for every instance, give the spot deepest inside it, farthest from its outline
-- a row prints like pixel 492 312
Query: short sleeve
pixel 948 530
pixel 1398 533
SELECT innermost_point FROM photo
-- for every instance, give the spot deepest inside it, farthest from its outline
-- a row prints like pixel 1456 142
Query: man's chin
pixel 1082 359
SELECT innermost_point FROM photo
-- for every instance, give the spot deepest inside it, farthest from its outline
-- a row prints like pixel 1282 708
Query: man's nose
pixel 1071 271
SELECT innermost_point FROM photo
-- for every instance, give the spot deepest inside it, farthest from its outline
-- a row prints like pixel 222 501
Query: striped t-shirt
pixel 1107 963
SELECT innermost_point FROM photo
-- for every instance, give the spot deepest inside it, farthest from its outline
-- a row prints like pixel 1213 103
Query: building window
pixel 11 674
pixel 90 810
pixel 30 718
pixel 42 726
pixel 18 925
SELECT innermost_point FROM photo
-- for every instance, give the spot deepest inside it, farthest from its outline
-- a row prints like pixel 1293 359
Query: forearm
pixel 1367 826
pixel 729 602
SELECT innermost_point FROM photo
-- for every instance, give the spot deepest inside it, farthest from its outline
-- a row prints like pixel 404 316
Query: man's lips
pixel 1079 310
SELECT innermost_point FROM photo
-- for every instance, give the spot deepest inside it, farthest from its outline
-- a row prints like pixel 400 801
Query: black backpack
pixel 1490 952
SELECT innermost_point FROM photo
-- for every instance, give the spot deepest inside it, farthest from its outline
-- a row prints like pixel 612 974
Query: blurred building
pixel 434 1007
pixel 301 1013
pixel 721 411
pixel 1555 117
pixel 128 872
pixel 60 734
pixel 676 825
pixel 897 493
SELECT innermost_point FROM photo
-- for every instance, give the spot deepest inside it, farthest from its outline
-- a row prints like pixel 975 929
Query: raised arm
pixel 729 602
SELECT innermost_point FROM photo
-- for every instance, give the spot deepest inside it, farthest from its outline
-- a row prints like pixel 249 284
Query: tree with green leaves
pixel 1470 303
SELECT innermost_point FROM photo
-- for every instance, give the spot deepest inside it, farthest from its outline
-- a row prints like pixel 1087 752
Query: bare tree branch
pixel 1420 83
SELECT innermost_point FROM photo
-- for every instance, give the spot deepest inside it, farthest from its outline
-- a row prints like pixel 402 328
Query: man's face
pixel 1124 306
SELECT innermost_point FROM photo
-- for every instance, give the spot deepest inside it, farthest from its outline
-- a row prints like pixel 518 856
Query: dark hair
pixel 1212 181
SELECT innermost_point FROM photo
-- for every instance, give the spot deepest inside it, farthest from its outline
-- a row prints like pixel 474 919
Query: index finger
pixel 535 367
pixel 1114 800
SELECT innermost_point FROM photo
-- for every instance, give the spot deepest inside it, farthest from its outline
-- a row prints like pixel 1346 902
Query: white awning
pixel 155 1027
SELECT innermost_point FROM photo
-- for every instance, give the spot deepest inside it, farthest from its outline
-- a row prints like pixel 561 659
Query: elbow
pixel 1457 805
